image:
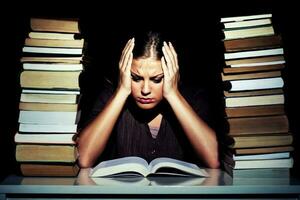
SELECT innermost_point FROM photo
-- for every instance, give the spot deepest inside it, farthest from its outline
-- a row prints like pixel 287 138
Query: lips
pixel 145 100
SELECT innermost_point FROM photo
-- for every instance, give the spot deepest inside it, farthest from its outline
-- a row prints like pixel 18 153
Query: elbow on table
pixel 84 162
pixel 214 164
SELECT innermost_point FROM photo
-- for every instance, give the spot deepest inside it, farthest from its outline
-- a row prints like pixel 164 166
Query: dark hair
pixel 148 45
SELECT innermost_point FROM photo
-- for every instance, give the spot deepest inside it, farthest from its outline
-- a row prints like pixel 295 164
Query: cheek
pixel 158 89
pixel 135 88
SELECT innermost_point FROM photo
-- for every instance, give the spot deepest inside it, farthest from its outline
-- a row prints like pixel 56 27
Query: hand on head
pixel 170 68
pixel 125 66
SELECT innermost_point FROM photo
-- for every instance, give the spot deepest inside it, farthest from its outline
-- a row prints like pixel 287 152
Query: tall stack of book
pixel 48 107
pixel 254 95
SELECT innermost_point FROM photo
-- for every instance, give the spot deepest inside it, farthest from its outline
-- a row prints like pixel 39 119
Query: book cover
pixel 248 32
pixel 258 125
pixel 252 111
pixel 254 100
pixel 252 141
pixel 44 138
pixel 253 53
pixel 270 163
pixel 52 66
pixel 76 43
pixel 50 79
pixel 262 150
pixel 247 23
pixel 254 84
pixel 52 50
pixel 67 25
pixel 49 98
pixel 48 169
pixel 47 117
pixel 46 153
pixel 64 107
pixel 51 35
pixel 246 17
pixel 262 42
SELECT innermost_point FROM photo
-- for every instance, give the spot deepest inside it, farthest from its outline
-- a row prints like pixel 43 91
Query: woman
pixel 147 115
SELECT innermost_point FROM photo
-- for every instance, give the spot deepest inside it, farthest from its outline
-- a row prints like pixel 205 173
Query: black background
pixel 106 26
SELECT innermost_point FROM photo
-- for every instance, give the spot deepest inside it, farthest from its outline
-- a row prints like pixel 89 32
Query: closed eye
pixel 157 80
pixel 136 78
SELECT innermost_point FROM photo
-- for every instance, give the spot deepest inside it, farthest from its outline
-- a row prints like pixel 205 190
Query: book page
pixel 183 166
pixel 131 165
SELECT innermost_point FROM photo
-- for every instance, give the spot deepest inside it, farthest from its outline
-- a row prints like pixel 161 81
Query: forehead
pixel 146 65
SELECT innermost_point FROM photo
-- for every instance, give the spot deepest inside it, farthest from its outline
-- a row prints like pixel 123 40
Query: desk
pixel 218 186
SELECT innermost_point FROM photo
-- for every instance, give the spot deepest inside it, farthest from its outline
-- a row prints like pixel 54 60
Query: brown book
pixel 50 80
pixel 52 35
pixel 263 42
pixel 46 153
pixel 49 98
pixel 48 106
pixel 253 93
pixel 262 100
pixel 252 141
pixel 55 25
pixel 230 34
pixel 71 60
pixel 54 43
pixel 235 70
pixel 263 150
pixel 258 125
pixel 254 61
pixel 252 111
pixel 251 75
pixel 46 169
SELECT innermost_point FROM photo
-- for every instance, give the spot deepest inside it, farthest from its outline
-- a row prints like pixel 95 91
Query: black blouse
pixel 132 137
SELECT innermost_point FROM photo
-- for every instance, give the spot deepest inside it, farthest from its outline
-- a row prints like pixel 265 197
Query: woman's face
pixel 146 82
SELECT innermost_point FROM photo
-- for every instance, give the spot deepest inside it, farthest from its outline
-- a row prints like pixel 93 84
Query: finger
pixel 128 57
pixel 126 46
pixel 129 63
pixel 172 58
pixel 122 55
pixel 174 54
pixel 168 59
pixel 164 67
pixel 126 54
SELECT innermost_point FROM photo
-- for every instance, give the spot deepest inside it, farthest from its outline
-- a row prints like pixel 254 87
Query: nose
pixel 146 88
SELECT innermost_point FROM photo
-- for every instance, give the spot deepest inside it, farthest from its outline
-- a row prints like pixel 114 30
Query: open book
pixel 83 178
pixel 133 165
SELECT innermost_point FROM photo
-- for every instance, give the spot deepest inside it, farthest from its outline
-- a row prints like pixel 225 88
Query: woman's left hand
pixel 171 70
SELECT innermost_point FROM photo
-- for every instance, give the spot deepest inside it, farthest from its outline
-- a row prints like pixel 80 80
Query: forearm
pixel 201 136
pixel 94 137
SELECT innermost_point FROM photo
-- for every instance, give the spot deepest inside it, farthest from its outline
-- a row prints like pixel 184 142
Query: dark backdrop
pixel 195 30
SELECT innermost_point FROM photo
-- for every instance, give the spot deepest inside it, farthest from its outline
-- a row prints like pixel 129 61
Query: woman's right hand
pixel 125 66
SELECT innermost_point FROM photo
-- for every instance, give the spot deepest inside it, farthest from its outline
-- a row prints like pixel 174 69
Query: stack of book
pixel 48 107
pixel 254 95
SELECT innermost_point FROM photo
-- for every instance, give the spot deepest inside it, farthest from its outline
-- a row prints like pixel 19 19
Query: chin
pixel 146 106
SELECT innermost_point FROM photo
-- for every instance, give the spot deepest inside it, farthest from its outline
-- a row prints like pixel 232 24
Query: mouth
pixel 145 100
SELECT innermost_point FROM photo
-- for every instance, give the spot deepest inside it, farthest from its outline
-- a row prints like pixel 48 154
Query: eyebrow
pixel 155 76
